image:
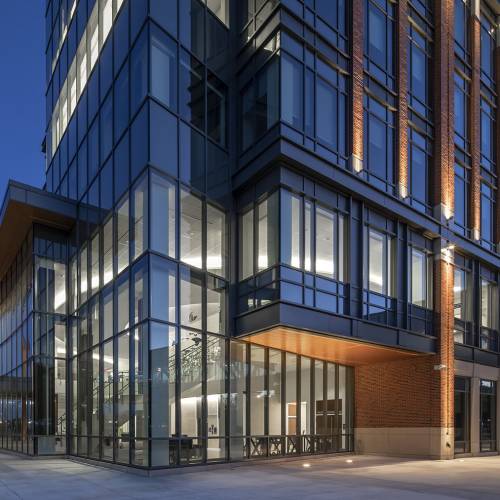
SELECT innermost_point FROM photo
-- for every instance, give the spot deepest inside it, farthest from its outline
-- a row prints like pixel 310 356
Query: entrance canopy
pixel 327 347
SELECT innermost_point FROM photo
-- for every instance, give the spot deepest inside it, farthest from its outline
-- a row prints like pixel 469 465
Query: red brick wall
pixel 411 393
pixel 443 175
pixel 402 132
pixel 497 77
pixel 475 126
pixel 357 50
pixel 397 394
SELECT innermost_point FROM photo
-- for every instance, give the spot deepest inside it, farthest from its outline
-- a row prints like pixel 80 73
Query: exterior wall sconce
pixel 447 253
pixel 403 191
pixel 447 212
pixel 356 164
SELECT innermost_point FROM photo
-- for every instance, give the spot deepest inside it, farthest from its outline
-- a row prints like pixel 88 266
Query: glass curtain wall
pixel 293 404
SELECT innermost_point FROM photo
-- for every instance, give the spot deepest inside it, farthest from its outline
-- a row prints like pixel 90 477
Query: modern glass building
pixel 268 229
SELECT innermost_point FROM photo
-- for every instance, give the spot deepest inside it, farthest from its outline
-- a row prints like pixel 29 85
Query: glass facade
pixel 215 197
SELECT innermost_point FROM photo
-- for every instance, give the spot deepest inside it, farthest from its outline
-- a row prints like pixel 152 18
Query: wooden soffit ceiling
pixel 327 347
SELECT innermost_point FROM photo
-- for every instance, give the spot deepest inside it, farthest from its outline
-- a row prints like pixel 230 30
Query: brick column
pixel 402 133
pixel 497 78
pixel 443 171
pixel 443 329
pixel 405 407
pixel 475 121
pixel 357 48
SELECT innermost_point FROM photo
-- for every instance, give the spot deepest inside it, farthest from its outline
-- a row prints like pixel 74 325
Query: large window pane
pixel 325 242
pixel 122 225
pixel 291 229
pixel 107 306
pixel 191 392
pixel 191 229
pixel 163 289
pixel 267 215
pixel 216 396
pixel 292 91
pixel 191 90
pixel 418 277
pixel 257 390
pixel 140 218
pixel 275 384
pixel 163 216
pixel 216 310
pixel 94 264
pixel 141 371
pixel 216 109
pixel 83 274
pixel 163 68
pixel 326 113
pixel 379 262
pixel 107 234
pixel 162 353
pixel 291 394
pixel 123 305
pixel 108 391
pixel 216 241
pixel 191 310
pixel 123 397
pixel 460 294
pixel 237 397
pixel 246 244
pixel 305 396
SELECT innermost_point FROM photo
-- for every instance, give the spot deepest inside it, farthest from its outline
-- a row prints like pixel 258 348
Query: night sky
pixel 22 91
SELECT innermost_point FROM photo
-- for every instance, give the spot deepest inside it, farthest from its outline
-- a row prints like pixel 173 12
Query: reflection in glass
pixel 191 381
pixel 246 244
pixel 123 397
pixel 291 394
pixel 257 390
pixel 216 396
pixel 275 391
pixel 163 359
pixel 191 309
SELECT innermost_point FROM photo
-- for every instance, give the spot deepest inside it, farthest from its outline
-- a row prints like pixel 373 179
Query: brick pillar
pixel 475 121
pixel 443 329
pixel 497 78
pixel 402 132
pixel 357 48
pixel 443 170
pixel 405 407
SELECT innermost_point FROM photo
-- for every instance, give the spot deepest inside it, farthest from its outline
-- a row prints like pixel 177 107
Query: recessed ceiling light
pixel 306 466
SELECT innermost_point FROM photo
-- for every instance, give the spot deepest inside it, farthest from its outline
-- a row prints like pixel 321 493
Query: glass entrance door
pixel 488 415
pixel 462 415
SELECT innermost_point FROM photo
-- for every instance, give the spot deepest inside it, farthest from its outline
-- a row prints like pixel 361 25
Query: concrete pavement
pixel 344 477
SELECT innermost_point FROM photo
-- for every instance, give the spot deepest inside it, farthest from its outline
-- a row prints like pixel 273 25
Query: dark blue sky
pixel 22 90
